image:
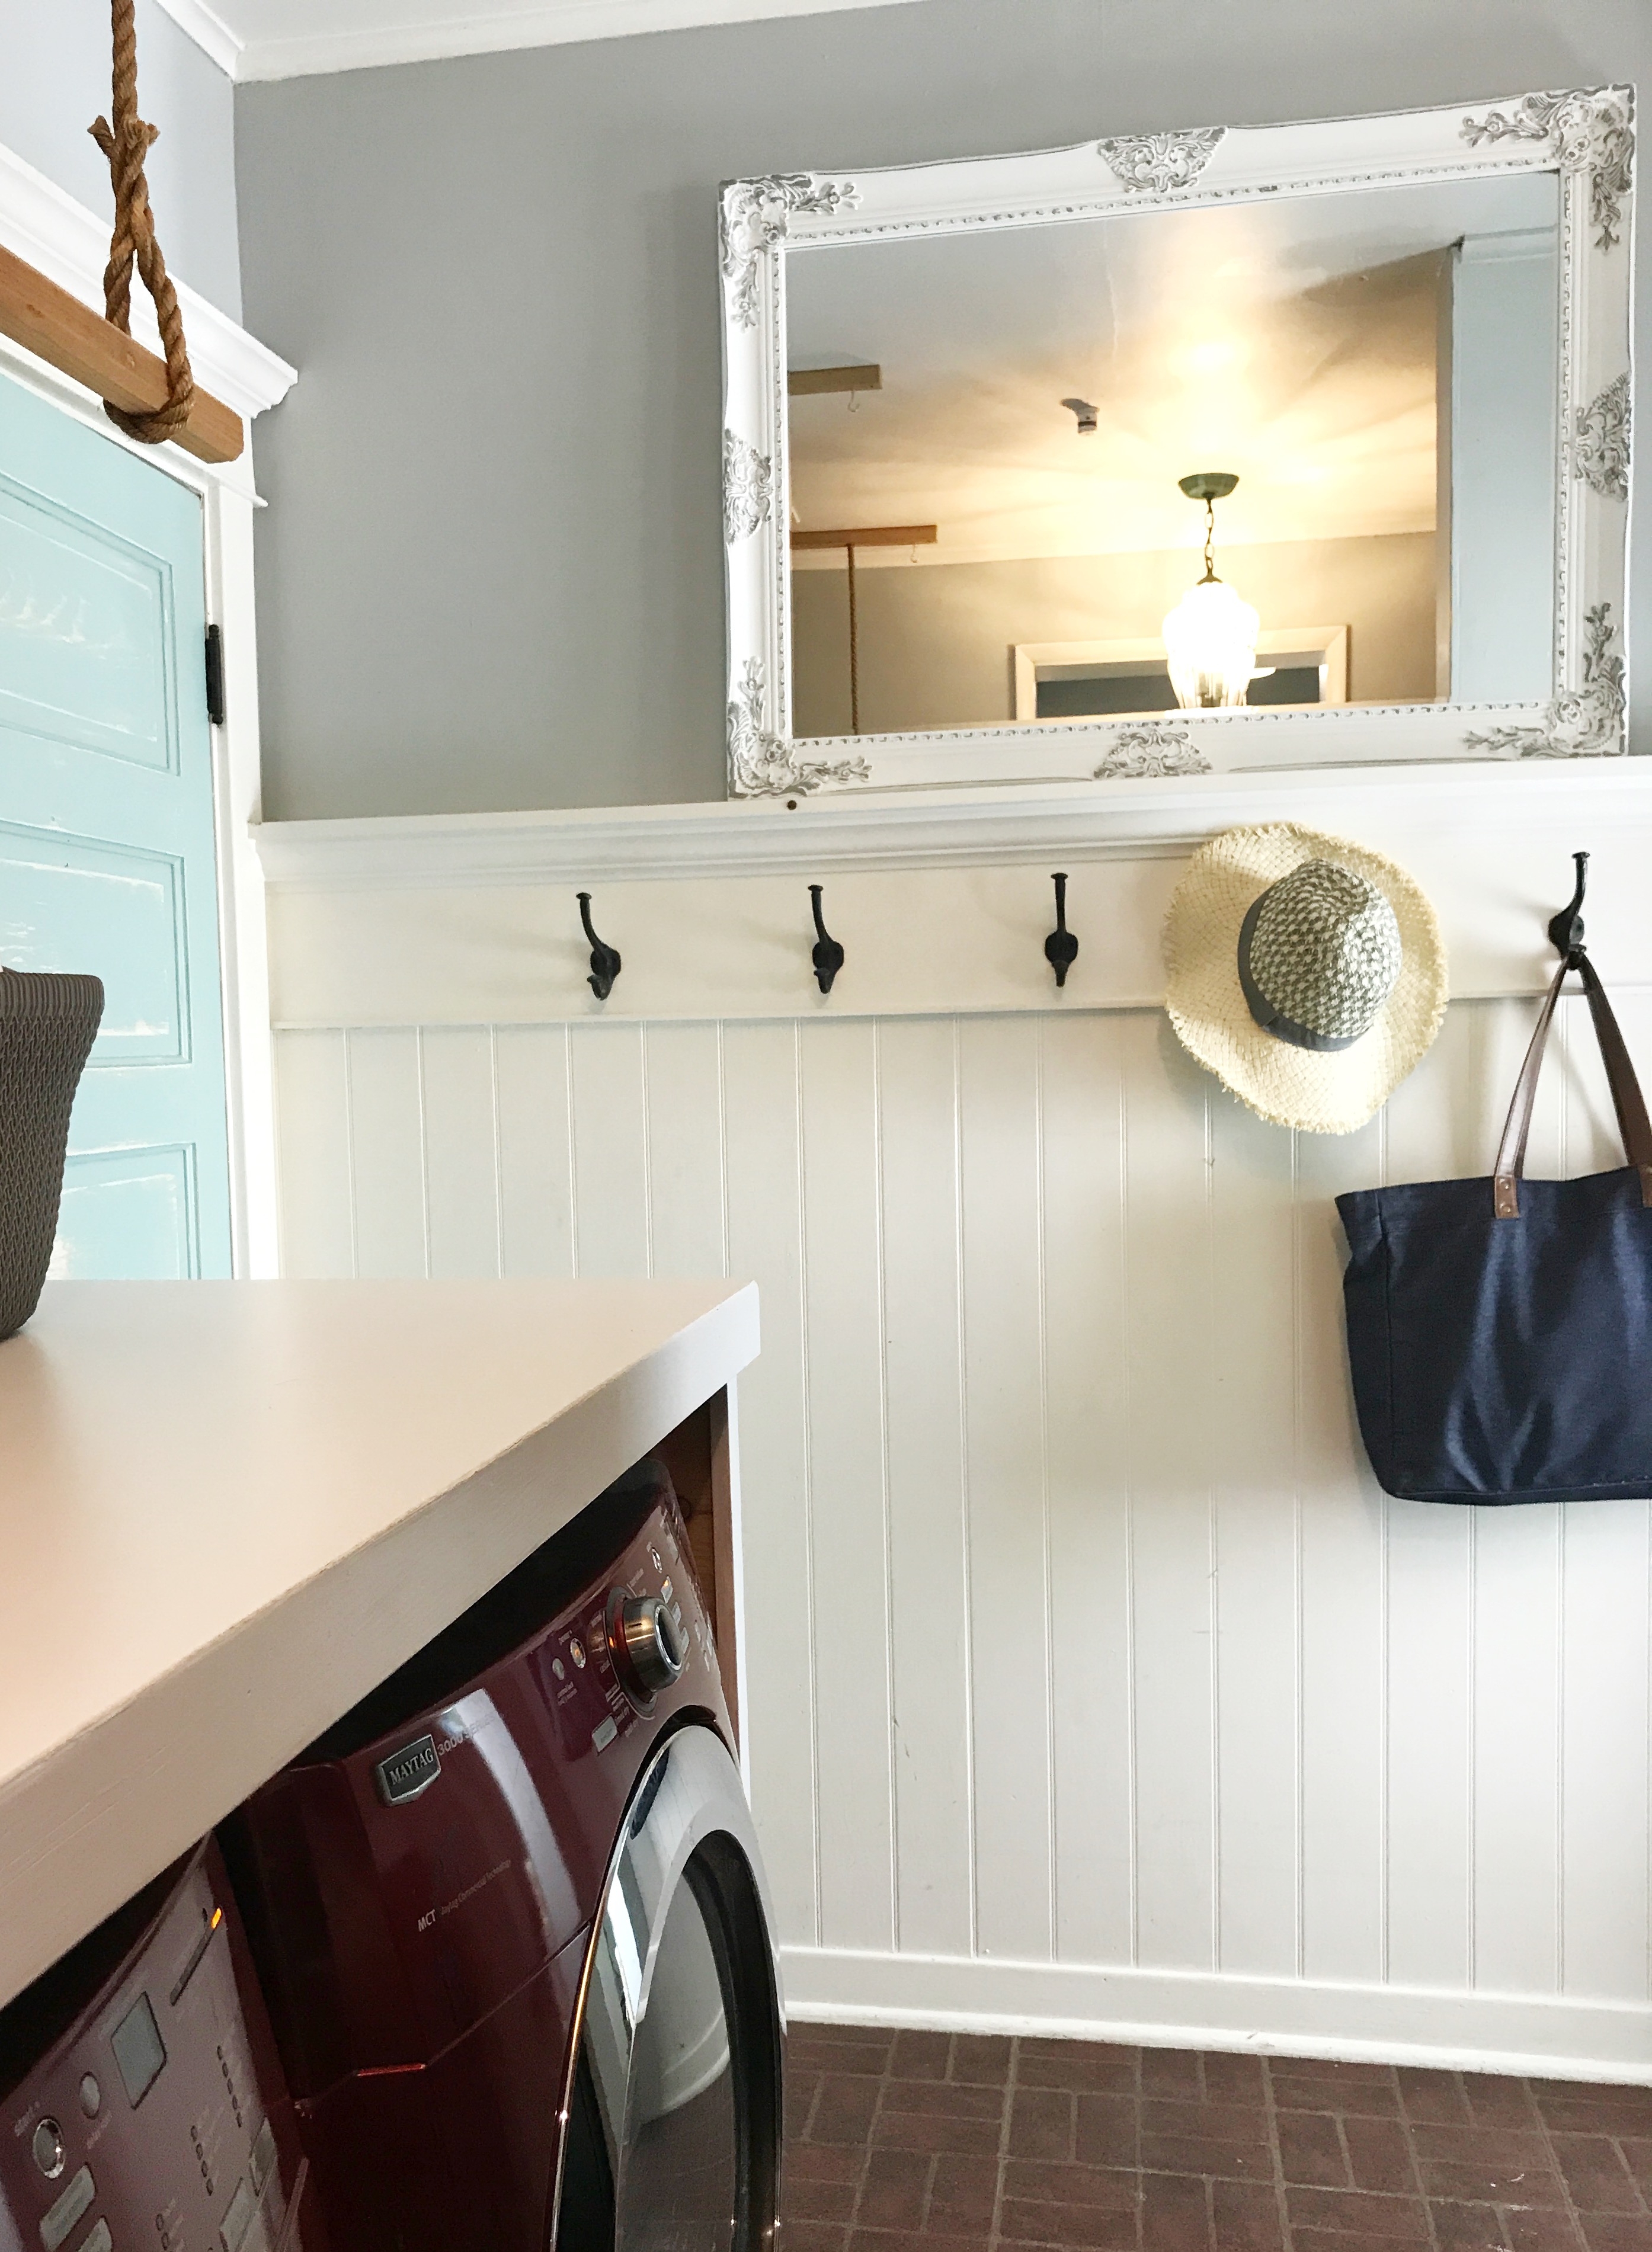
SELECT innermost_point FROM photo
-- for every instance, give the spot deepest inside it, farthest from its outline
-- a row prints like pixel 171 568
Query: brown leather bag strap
pixel 1627 1098
pixel 1511 1151
pixel 1632 1122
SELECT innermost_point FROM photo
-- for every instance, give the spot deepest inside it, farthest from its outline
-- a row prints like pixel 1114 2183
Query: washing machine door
pixel 673 2107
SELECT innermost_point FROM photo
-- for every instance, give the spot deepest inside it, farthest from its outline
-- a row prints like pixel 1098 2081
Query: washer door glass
pixel 679 2182
pixel 672 2142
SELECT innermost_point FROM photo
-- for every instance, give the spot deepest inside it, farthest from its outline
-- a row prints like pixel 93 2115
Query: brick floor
pixel 956 2143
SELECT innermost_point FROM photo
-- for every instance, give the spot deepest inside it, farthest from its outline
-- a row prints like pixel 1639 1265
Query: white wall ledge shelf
pixel 941 897
pixel 960 828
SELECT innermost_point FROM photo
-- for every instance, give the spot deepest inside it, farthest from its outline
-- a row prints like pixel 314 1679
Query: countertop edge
pixel 85 1828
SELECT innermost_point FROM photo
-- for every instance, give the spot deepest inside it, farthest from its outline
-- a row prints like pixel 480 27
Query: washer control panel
pixel 646 1639
pixel 603 1669
pixel 156 2115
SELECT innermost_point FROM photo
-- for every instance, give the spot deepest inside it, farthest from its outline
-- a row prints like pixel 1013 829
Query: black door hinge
pixel 215 675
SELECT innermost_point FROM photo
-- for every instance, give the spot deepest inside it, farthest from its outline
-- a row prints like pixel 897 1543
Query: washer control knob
pixel 646 1641
pixel 48 2148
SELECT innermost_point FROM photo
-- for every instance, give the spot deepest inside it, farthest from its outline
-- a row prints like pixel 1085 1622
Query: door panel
pixel 127 1216
pixel 129 903
pixel 107 856
pixel 83 634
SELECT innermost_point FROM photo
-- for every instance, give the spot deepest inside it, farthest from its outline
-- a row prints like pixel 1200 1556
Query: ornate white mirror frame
pixel 1587 137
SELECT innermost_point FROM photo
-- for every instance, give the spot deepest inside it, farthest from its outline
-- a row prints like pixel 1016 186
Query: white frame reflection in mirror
pixel 1322 648
pixel 1583 138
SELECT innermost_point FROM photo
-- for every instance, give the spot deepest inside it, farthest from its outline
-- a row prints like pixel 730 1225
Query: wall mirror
pixel 1201 451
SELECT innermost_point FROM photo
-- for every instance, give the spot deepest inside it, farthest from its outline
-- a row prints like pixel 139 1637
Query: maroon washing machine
pixel 512 1924
pixel 141 2100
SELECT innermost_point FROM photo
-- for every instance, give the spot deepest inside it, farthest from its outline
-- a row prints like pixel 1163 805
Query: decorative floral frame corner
pixel 1586 136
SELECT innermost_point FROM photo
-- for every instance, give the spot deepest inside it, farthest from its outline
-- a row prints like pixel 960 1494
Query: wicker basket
pixel 47 1025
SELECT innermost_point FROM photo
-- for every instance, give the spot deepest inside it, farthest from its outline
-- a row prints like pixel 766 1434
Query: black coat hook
pixel 604 959
pixel 829 955
pixel 1061 947
pixel 1566 929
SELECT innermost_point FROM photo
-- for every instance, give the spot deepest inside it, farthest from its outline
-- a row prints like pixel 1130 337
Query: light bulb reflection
pixel 1210 640
pixel 1212 356
pixel 1210 635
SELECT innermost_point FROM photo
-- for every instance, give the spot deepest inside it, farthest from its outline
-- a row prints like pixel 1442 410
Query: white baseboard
pixel 1550 2036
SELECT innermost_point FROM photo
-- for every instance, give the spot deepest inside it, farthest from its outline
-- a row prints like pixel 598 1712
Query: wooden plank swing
pixel 151 399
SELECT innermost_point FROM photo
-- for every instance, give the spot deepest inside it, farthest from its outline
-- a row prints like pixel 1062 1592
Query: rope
pixel 126 144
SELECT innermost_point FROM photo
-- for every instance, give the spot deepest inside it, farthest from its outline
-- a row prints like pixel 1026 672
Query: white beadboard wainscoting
pixel 1094 1685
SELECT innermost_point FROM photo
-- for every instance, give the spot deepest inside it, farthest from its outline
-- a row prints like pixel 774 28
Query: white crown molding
pixel 1081 821
pixel 210 34
pixel 42 223
pixel 495 31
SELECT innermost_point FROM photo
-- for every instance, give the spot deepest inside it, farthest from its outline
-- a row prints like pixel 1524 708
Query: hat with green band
pixel 1307 972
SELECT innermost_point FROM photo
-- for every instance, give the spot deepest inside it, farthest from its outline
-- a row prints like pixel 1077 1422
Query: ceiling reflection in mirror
pixel 1013 457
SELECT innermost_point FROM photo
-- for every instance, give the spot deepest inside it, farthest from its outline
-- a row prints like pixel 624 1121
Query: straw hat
pixel 1307 972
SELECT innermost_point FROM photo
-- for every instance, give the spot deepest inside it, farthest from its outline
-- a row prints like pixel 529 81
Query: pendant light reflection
pixel 1210 635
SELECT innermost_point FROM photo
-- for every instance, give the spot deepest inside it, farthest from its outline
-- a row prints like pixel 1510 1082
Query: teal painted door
pixel 107 860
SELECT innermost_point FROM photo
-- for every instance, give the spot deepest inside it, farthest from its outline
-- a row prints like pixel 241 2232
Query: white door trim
pixel 69 244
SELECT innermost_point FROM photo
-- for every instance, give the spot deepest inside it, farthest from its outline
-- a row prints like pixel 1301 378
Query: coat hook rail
pixel 604 959
pixel 1566 929
pixel 1061 947
pixel 829 955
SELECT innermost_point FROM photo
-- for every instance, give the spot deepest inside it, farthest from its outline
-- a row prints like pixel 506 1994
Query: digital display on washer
pixel 139 2050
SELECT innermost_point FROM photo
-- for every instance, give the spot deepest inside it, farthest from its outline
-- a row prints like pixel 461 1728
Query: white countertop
pixel 228 1509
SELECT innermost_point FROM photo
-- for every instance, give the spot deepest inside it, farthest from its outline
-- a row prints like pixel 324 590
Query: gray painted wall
pixel 56 80
pixel 490 571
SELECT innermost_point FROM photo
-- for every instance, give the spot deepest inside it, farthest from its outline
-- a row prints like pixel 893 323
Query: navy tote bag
pixel 1499 1331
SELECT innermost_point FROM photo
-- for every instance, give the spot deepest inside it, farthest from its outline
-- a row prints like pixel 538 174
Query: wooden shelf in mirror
pixel 869 535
